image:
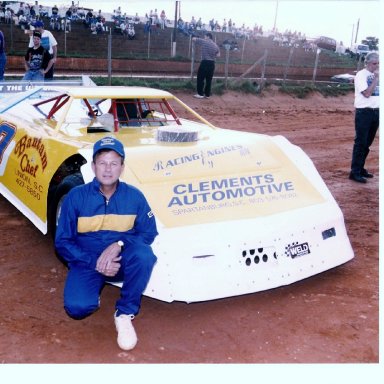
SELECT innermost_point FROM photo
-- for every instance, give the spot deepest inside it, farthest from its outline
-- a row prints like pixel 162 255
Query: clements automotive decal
pixel 227 189
pixel 27 163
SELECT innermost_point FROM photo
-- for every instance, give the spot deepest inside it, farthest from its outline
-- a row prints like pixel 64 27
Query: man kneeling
pixel 105 232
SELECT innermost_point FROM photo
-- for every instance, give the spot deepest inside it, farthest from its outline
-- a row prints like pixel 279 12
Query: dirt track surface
pixel 328 318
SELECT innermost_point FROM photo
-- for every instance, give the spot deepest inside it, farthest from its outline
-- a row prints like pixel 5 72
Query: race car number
pixel 7 133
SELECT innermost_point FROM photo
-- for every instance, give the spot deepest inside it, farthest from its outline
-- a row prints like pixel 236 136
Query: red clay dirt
pixel 329 318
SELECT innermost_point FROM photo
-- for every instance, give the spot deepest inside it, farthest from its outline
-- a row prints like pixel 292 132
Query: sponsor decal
pixel 297 250
pixel 10 88
pixel 28 163
pixel 205 157
pixel 227 189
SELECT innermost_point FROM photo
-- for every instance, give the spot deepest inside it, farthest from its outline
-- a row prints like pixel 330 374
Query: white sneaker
pixel 198 96
pixel 126 335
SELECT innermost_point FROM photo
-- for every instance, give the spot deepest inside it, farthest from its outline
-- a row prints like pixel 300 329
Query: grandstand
pixel 151 54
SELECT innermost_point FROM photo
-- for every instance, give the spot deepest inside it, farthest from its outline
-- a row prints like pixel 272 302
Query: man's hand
pixel 108 262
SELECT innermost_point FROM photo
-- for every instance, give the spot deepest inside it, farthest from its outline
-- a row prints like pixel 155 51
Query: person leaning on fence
pixel 38 61
pixel 209 52
pixel 48 42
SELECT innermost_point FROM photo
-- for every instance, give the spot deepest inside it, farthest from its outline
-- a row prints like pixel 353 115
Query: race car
pixel 236 212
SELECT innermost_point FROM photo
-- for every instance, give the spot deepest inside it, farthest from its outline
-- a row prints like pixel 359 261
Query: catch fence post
pixel 316 64
pixel 110 58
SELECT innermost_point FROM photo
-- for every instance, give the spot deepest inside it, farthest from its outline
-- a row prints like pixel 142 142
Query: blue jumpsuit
pixel 87 225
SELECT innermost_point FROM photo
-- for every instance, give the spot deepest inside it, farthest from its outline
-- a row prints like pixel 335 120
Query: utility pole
pixel 357 30
pixel 277 7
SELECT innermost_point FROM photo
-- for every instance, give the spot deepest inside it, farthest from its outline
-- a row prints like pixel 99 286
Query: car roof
pixel 117 92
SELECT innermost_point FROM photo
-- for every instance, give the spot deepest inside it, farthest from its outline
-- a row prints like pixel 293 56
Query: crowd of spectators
pixel 25 15
pixel 292 39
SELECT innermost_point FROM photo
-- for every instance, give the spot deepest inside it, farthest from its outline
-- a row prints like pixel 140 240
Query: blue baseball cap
pixel 109 142
pixel 38 24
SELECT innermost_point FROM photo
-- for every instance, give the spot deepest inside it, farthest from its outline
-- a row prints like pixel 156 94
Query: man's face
pixel 108 167
pixel 36 41
pixel 373 66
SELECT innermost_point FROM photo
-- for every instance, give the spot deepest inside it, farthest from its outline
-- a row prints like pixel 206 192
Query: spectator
pixel 163 19
pixel 3 57
pixel 193 22
pixel 55 22
pixel 224 25
pixel 105 232
pixel 230 25
pixel 99 26
pixel 118 13
pixel 88 19
pixel 68 13
pixel 37 60
pixel 123 28
pixel 81 14
pixel 137 19
pixel 151 16
pixel 42 11
pixel 74 11
pixel 199 24
pixel 55 11
pixel 209 52
pixel 49 42
pixel 155 17
pixel 8 16
pixel 100 16
pixel 367 112
pixel 32 13
pixel 212 24
pixel 148 24
pixel 23 22
pixel 21 10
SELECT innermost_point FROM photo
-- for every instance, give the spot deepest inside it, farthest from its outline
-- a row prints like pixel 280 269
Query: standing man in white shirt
pixel 367 111
pixel 48 42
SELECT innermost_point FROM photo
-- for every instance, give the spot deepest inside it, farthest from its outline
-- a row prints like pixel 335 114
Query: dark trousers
pixel 49 74
pixel 205 75
pixel 366 125
pixel 83 284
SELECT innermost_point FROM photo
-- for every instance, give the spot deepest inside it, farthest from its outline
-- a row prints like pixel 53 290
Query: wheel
pixel 61 191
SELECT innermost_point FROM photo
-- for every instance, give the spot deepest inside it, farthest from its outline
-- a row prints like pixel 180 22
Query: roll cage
pixel 125 112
